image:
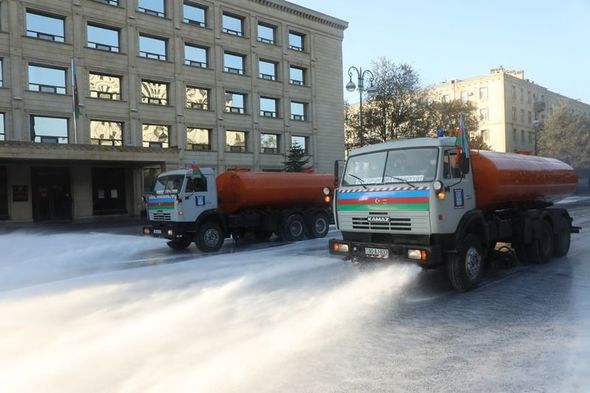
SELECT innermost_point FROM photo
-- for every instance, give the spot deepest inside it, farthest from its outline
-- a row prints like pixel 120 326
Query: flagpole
pixel 74 103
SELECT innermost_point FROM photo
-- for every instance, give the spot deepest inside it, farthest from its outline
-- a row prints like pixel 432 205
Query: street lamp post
pixel 360 86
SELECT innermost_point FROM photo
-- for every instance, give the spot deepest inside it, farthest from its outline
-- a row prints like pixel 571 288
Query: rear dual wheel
pixel 318 226
pixel 293 228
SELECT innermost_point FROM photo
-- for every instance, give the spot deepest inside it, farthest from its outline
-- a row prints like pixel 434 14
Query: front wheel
pixel 209 237
pixel 465 268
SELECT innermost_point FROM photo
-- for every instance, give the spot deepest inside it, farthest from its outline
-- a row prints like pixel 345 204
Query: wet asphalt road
pixel 525 329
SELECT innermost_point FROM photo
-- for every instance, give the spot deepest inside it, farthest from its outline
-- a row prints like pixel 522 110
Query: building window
pixel 530 117
pixel 195 56
pixel 300 141
pixel 522 136
pixel 514 134
pixel 152 7
pixel 235 102
pixel 1 72
pixel 152 47
pixel 197 98
pixel 2 129
pixel 267 70
pixel 106 133
pixel 107 87
pixel 514 92
pixel 296 41
pixel 195 14
pixel 46 129
pixel 528 97
pixel 269 143
pixel 232 24
pixel 513 113
pixel 154 92
pixel 45 27
pixel 483 93
pixel 465 96
pixel 47 79
pixel 297 76
pixel 103 38
pixel 266 33
pixel 521 94
pixel 522 116
pixel 530 137
pixel 483 114
pixel 445 98
pixel 233 63
pixel 298 111
pixel 485 134
pixel 155 135
pixel 235 141
pixel 198 139
pixel 108 2
pixel 269 107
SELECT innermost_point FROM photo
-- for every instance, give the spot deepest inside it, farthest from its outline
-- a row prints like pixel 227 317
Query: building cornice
pixel 302 12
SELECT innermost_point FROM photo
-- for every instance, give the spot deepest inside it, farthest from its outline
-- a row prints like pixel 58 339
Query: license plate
pixel 377 252
pixel 157 231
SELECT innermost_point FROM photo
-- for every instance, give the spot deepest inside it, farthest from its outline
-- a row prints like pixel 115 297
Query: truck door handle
pixel 468 197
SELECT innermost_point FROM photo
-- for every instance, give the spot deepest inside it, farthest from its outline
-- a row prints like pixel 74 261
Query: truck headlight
pixel 326 191
pixel 438 186
pixel 420 255
pixel 339 247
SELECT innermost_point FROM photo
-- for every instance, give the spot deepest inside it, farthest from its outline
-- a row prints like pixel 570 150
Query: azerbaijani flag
pixel 75 94
pixel 196 170
pixel 462 140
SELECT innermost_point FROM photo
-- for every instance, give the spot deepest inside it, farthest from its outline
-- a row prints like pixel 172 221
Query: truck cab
pixel 179 199
pixel 402 199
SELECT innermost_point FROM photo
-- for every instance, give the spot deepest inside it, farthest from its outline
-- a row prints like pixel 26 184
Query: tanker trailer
pixel 192 205
pixel 424 200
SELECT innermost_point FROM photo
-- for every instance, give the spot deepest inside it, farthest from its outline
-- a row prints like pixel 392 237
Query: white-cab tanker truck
pixel 428 201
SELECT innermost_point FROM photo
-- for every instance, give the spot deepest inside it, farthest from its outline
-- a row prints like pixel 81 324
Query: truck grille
pixel 158 216
pixel 394 224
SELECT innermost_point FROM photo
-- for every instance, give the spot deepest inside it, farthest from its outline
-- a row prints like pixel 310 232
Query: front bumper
pixel 425 256
pixel 166 230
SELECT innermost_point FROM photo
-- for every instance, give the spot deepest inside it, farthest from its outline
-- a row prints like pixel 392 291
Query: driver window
pixel 451 165
pixel 197 184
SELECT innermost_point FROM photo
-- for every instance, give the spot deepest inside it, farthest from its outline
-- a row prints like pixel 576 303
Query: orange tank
pixel 249 190
pixel 506 179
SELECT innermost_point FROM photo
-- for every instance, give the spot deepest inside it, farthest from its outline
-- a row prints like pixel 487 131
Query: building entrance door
pixel 52 199
pixel 108 191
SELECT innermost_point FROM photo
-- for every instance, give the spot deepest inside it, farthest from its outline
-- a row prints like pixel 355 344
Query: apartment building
pixel 509 107
pixel 160 84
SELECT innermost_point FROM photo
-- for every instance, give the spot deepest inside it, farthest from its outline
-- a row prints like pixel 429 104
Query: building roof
pixel 304 12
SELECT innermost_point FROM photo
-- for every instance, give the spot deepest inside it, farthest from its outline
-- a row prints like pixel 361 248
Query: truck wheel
pixel 318 226
pixel 179 244
pixel 562 239
pixel 465 268
pixel 540 250
pixel 209 237
pixel 293 228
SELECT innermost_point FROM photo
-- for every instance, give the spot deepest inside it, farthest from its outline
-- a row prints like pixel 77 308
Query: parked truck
pixel 193 205
pixel 425 200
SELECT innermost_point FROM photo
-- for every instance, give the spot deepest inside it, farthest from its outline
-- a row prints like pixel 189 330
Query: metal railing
pixel 195 22
pixel 296 82
pixel 45 36
pixel 199 146
pixel 109 2
pixel 197 105
pixel 296 48
pixel 236 149
pixel 232 70
pixel 105 47
pixel 151 12
pixel 298 117
pixel 106 142
pixel 105 95
pixel 233 32
pixel 268 113
pixel 47 88
pixel 267 77
pixel 150 55
pixel 51 139
pixel 265 40
pixel 195 63
pixel 234 109
pixel 269 150
pixel 154 100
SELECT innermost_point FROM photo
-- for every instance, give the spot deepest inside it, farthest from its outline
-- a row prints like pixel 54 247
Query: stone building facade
pixel 160 84
pixel 509 107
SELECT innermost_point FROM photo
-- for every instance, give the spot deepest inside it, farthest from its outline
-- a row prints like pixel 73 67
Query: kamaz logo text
pixel 378 219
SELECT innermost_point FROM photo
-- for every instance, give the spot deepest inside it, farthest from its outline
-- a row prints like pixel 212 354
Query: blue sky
pixel 456 39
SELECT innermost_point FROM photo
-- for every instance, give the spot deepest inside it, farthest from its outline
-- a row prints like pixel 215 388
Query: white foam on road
pixel 229 323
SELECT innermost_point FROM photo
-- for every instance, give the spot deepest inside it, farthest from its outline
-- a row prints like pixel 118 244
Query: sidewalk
pixel 117 224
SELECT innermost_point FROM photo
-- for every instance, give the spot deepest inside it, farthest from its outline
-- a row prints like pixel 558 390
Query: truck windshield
pixel 169 184
pixel 394 166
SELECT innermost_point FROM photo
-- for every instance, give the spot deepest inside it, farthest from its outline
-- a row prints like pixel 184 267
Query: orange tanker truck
pixel 193 205
pixel 442 206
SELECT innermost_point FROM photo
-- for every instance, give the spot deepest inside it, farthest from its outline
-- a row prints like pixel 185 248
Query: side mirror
pixel 464 164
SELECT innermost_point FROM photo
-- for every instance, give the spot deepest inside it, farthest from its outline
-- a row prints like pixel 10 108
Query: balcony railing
pixel 268 113
pixel 195 63
pixel 198 105
pixel 236 149
pixel 47 88
pixel 106 142
pixel 233 32
pixel 199 146
pixel 150 55
pixel 45 36
pixel 154 100
pixel 105 47
pixel 265 40
pixel 234 109
pixel 151 12
pixel 194 22
pixel 267 77
pixel 270 150
pixel 296 48
pixel 296 82
pixel 109 2
pixel 51 139
pixel 105 95
pixel 298 117
pixel 232 70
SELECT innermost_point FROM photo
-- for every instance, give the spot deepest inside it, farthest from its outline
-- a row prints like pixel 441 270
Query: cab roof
pixel 187 171
pixel 406 144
